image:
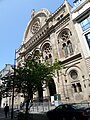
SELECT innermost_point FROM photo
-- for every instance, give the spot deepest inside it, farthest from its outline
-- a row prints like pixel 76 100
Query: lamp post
pixel 13 87
pixel 63 86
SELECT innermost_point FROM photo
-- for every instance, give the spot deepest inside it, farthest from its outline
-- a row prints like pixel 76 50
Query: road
pixel 40 117
pixel 2 116
pixel 35 116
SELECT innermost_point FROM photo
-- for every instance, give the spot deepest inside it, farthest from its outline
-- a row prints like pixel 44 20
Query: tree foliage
pixel 33 74
pixel 30 77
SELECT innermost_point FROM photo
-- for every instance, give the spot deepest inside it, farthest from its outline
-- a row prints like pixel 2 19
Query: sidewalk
pixel 7 119
pixel 2 115
pixel 40 116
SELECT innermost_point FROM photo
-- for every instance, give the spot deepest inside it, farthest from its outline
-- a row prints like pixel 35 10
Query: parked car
pixel 69 112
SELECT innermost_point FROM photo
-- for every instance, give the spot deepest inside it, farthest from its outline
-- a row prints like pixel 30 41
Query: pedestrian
pixel 6 110
pixel 21 106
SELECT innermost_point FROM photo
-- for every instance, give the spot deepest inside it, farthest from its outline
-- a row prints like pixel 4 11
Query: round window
pixel 35 27
pixel 73 74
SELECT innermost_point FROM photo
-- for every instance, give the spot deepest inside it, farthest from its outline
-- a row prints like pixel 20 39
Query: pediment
pixel 37 21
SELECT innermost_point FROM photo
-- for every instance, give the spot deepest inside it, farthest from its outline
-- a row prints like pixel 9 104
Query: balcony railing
pixel 77 4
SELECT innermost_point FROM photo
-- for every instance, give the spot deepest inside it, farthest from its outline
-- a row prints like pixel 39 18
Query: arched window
pixel 37 55
pixel 50 58
pixel 70 48
pixel 79 87
pixel 47 52
pixel 73 74
pixel 66 42
pixel 65 50
pixel 74 87
pixel 46 58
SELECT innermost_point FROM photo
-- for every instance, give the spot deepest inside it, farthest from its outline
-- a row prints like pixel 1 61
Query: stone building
pixel 56 36
pixel 6 99
pixel 81 20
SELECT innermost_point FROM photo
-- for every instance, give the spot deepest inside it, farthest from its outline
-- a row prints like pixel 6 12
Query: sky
pixel 14 17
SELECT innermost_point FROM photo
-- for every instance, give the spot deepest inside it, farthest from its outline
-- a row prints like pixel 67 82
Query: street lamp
pixel 13 87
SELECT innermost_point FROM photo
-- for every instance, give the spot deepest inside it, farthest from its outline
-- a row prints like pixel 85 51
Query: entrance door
pixel 52 87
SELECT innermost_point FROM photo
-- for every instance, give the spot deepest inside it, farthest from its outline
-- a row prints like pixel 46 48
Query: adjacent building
pixel 81 20
pixel 7 97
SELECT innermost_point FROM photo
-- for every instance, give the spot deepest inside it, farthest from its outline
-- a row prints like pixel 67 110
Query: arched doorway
pixel 52 87
pixel 40 93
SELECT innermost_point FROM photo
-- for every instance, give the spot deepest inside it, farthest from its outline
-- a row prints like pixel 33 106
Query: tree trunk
pixel 27 105
pixel 0 100
pixel 40 93
pixel 29 100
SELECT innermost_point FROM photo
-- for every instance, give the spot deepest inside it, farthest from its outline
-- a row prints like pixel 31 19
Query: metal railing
pixel 41 107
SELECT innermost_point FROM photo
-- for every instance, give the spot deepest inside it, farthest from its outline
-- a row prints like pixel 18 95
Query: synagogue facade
pixel 56 36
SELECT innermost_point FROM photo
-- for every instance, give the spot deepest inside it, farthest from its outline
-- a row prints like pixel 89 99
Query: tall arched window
pixel 47 52
pixel 65 50
pixel 37 55
pixel 69 44
pixel 65 36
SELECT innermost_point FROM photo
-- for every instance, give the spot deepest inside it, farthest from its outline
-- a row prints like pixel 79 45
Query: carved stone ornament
pixel 35 27
pixel 65 35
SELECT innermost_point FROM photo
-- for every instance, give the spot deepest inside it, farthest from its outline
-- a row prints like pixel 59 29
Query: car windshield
pixel 78 106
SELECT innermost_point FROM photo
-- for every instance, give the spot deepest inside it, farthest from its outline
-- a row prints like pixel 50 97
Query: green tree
pixel 6 85
pixel 31 77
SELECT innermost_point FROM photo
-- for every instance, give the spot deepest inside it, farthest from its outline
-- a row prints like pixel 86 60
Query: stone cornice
pixel 72 59
pixel 32 41
pixel 55 13
pixel 62 21
pixel 38 41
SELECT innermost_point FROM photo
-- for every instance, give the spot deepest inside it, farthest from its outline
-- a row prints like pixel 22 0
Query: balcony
pixel 77 4
pixel 80 11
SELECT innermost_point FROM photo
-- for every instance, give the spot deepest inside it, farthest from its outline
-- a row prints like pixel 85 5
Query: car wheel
pixel 74 118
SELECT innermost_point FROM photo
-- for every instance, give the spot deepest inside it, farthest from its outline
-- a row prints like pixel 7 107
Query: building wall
pixel 79 14
pixel 7 69
pixel 81 20
pixel 8 99
pixel 57 36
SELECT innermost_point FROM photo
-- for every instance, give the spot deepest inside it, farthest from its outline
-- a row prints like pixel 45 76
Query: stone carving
pixel 33 12
pixel 35 27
